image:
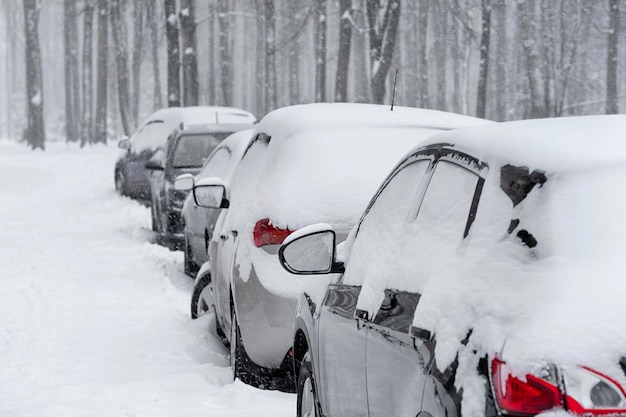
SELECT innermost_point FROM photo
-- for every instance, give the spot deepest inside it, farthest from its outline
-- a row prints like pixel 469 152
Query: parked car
pixel 307 163
pixel 131 177
pixel 484 278
pixel 186 150
pixel 199 222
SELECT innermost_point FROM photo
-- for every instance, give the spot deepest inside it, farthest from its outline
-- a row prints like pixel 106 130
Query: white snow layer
pixel 94 319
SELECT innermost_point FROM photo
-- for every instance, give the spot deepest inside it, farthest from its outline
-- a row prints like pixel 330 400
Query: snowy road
pixel 93 317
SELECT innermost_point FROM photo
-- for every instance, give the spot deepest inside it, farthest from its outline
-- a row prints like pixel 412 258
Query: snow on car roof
pixel 286 121
pixel 557 144
pixel 159 125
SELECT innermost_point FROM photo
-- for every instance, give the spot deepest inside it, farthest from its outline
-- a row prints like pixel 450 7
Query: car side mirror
pixel 184 182
pixel 211 193
pixel 124 143
pixel 310 250
pixel 154 164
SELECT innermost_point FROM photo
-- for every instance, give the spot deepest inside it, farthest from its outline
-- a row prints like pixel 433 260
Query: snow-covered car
pixel 199 222
pixel 130 175
pixel 306 163
pixel 485 278
pixel 185 151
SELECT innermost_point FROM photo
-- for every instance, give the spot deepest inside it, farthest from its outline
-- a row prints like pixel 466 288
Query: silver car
pixel 198 222
pixel 306 164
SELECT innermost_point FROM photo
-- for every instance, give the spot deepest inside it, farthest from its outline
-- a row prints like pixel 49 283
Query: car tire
pixel 199 306
pixel 120 183
pixel 307 403
pixel 191 268
pixel 240 363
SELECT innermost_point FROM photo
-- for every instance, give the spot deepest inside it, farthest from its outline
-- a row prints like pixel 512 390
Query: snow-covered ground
pixel 94 318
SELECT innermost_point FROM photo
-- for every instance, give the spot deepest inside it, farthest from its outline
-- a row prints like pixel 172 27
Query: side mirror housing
pixel 124 143
pixel 310 250
pixel 210 193
pixel 184 182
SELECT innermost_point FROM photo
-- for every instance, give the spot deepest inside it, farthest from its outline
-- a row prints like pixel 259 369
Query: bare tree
pixel 34 134
pixel 528 34
pixel 154 37
pixel 87 63
pixel 100 126
pixel 225 64
pixel 483 70
pixel 422 47
pixel 383 17
pixel 140 11
pixel 611 64
pixel 72 89
pixel 320 50
pixel 121 61
pixel 189 55
pixel 270 56
pixel 173 54
pixel 343 54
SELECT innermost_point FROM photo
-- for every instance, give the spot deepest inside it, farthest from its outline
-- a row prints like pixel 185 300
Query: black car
pixel 185 152
pixel 485 278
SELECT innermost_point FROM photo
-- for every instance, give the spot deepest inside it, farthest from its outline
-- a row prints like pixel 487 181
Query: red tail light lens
pixel 522 398
pixel 266 234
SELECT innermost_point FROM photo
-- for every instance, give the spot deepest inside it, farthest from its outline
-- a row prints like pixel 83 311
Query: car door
pixel 341 325
pixel 398 362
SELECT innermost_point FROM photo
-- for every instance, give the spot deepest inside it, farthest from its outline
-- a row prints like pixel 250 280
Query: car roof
pixel 212 114
pixel 287 121
pixel 212 128
pixel 556 144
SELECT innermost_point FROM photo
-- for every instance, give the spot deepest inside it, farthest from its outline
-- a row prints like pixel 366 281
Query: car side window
pixel 218 163
pixel 384 221
pixel 447 202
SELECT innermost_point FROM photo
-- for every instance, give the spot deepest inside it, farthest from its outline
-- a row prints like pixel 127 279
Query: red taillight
pixel 522 398
pixel 266 234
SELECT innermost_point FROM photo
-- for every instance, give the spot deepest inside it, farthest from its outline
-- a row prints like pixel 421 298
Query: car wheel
pixel 191 268
pixel 120 183
pixel 202 303
pixel 307 398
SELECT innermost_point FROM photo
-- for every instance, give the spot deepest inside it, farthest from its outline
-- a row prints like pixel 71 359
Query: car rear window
pixel 192 150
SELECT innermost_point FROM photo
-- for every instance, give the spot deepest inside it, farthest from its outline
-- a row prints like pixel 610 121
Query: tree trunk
pixel 173 54
pixel 343 55
pixel 295 8
pixel 320 51
pixel 383 19
pixel 139 15
pixel 121 60
pixel 528 34
pixel 34 134
pixel 87 122
pixel 611 64
pixel 483 70
pixel 100 128
pixel 270 56
pixel 72 90
pixel 422 46
pixel 189 55
pixel 154 39
pixel 226 72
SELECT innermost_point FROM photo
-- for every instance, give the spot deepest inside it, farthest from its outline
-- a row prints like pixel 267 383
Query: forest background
pixel 91 70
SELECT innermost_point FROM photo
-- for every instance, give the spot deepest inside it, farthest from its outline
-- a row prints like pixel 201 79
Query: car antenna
pixel 393 95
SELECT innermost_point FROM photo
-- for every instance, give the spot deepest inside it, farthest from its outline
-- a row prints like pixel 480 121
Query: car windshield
pixel 192 150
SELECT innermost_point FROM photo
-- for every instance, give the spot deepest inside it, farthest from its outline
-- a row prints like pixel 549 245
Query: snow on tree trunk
pixel 189 54
pixel 100 127
pixel 383 17
pixel 611 64
pixel 226 75
pixel 270 56
pixel 121 60
pixel 173 54
pixel 343 54
pixel 72 89
pixel 151 17
pixel 34 134
pixel 483 71
pixel 320 50
pixel 87 63
pixel 139 17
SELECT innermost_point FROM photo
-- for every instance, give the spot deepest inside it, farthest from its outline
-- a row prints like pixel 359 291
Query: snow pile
pixel 94 319
pixel 155 130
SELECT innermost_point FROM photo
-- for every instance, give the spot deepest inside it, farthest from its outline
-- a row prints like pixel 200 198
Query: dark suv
pixel 185 151
pixel 485 278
